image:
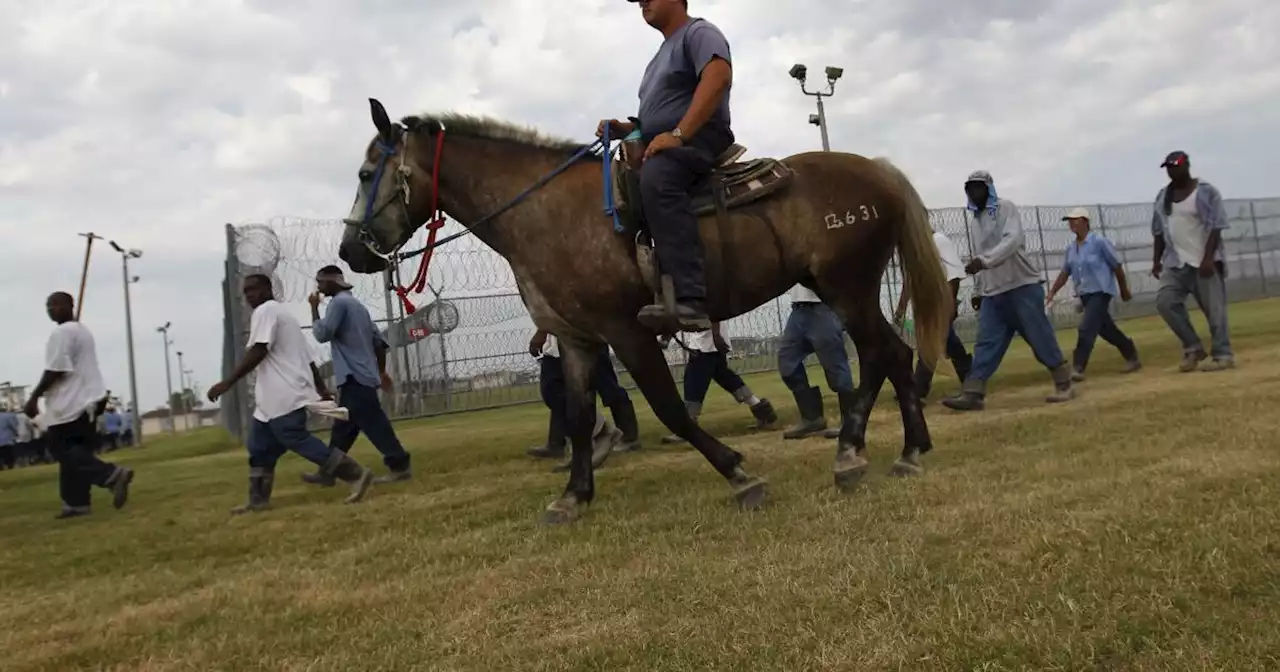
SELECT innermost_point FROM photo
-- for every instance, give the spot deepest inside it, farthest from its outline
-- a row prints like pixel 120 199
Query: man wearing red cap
pixel 1187 224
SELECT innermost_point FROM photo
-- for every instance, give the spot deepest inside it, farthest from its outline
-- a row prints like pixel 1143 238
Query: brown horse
pixel 833 229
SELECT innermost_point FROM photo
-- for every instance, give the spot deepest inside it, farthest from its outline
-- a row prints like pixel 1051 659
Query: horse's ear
pixel 380 119
pixel 412 124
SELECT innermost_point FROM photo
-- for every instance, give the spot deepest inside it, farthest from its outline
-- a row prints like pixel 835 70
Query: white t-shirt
pixel 802 294
pixel 284 381
pixel 700 341
pixel 552 347
pixel 71 350
pixel 1189 235
pixel 950 256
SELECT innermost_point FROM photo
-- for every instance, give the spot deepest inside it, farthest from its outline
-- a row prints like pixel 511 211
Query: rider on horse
pixel 684 123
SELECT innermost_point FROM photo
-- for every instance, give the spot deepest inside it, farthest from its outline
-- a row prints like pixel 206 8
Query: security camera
pixel 798 72
pixel 134 253
pixel 834 73
pixel 815 120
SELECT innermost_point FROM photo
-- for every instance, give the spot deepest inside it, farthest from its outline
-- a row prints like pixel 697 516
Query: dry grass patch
pixel 1132 529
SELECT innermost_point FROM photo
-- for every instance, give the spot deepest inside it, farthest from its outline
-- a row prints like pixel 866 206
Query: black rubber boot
pixel 624 416
pixel 972 397
pixel 764 414
pixel 342 467
pixel 812 421
pixel 261 481
pixel 1063 390
pixel 557 437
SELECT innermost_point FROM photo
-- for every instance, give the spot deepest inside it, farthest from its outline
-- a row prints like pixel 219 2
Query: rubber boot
pixel 972 396
pixel 557 437
pixel 401 472
pixel 342 467
pixel 764 414
pixel 1063 390
pixel 812 420
pixel 624 416
pixel 261 481
pixel 695 409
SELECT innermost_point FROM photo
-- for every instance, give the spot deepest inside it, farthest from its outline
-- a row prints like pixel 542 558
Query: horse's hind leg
pixel 641 354
pixel 893 358
pixel 855 408
pixel 579 361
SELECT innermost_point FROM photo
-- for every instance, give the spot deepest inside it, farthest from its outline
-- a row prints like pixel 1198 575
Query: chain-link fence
pixel 467 347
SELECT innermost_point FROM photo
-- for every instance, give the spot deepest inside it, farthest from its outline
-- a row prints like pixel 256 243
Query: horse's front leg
pixel 579 361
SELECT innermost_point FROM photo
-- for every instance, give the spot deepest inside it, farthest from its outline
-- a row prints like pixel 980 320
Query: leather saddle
pixel 730 184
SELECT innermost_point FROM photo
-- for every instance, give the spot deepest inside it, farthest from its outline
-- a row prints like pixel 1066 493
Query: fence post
pixel 397 341
pixel 1257 245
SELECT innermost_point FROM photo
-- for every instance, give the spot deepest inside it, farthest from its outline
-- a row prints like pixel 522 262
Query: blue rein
pixel 610 209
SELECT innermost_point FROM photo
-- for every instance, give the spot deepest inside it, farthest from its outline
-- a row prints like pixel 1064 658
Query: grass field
pixel 1136 528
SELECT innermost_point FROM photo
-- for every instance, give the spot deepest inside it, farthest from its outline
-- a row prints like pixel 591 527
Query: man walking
pixel 1012 298
pixel 1187 225
pixel 684 123
pixel 360 368
pixel 8 438
pixel 956 352
pixel 708 353
pixel 813 328
pixel 74 397
pixel 1091 262
pixel 287 382
pixel 623 437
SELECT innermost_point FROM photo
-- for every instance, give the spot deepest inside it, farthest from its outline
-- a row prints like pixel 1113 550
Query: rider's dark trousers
pixel 666 180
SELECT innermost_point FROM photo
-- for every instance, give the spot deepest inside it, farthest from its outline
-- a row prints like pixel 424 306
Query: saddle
pixel 730 184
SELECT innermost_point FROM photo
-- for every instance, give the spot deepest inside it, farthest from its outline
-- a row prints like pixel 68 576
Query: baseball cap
pixel 1175 158
pixel 1076 213
pixel 979 176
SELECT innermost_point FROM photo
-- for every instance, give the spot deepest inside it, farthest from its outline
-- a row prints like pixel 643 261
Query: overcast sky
pixel 154 123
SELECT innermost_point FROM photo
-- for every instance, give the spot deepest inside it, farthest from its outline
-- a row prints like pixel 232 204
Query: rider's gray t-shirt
pixel 666 91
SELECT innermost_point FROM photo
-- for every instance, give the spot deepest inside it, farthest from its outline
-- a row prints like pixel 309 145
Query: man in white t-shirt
pixel 708 353
pixel 74 397
pixel 287 382
pixel 621 437
pixel 960 358
pixel 813 328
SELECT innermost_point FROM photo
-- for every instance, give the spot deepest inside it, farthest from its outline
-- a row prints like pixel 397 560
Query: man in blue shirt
pixel 684 124
pixel 112 426
pixel 360 368
pixel 1098 276
pixel 8 438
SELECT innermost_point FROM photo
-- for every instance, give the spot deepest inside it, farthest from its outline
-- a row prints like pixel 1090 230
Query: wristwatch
pixel 678 134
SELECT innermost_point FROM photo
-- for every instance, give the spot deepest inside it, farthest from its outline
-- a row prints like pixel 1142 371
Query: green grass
pixel 1135 528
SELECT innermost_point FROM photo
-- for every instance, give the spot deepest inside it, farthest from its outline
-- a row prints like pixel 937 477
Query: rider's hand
pixel 662 143
pixel 617 129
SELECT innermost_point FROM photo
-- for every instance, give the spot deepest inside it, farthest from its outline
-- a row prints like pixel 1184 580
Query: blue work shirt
pixel 1091 265
pixel 666 90
pixel 113 422
pixel 353 340
pixel 8 428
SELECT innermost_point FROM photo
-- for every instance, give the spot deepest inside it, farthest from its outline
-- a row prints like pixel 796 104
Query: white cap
pixel 1074 213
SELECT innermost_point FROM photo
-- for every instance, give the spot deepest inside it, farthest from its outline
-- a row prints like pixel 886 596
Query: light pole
pixel 799 72
pixel 136 418
pixel 168 379
pixel 182 392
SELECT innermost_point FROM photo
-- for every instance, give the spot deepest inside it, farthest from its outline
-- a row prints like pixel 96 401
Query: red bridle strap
pixel 433 225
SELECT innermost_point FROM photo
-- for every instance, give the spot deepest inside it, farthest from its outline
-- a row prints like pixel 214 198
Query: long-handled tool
pixel 84 272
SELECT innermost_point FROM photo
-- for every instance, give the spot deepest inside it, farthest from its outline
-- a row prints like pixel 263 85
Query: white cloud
pixel 156 123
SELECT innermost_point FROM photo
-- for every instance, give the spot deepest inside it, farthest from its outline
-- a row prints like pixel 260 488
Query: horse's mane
pixel 478 126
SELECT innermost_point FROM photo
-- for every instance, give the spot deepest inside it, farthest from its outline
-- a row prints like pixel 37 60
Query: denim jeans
pixel 1097 321
pixel 73 445
pixel 269 441
pixel 1176 284
pixel 1018 311
pixel 366 415
pixel 813 328
pixel 959 357
pixel 704 367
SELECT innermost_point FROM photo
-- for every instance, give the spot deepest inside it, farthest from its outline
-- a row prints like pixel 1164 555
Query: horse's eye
pixel 365 175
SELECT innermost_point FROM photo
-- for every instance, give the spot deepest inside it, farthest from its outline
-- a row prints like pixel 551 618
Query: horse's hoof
pixel 750 493
pixel 849 470
pixel 903 468
pixel 562 511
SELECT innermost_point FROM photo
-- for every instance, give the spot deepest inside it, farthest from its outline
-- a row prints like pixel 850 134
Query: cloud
pixel 156 123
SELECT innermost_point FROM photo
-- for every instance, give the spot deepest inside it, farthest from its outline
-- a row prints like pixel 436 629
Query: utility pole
pixel 800 72
pixel 182 393
pixel 134 414
pixel 168 378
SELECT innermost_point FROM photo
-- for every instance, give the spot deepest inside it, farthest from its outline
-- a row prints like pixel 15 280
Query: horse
pixel 832 227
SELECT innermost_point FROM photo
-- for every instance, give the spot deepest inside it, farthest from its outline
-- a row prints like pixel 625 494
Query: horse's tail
pixel 925 279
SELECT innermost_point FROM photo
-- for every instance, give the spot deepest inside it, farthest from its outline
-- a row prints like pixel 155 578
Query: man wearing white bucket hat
pixel 1098 276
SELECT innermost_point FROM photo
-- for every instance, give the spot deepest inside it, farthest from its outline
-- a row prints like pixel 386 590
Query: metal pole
pixel 404 349
pixel 1257 245
pixel 182 392
pixel 168 378
pixel 391 356
pixel 134 414
pixel 822 124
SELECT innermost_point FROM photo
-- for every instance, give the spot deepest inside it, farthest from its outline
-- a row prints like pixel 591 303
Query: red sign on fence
pixel 418 333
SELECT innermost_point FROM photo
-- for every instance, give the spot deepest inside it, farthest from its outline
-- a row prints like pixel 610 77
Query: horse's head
pixel 394 196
